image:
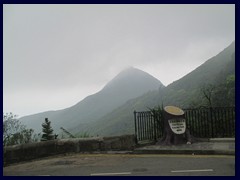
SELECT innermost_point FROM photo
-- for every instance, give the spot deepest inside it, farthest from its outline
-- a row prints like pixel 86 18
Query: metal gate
pixel 217 122
pixel 148 126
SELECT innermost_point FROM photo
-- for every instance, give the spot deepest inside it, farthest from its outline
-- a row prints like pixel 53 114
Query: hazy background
pixel 56 55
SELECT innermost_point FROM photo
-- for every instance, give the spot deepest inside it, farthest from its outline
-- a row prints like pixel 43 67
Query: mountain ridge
pixel 119 118
pixel 128 84
pixel 226 52
pixel 182 93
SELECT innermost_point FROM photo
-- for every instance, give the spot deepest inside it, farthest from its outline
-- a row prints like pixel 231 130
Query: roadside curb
pixel 222 140
pixel 192 152
pixel 214 146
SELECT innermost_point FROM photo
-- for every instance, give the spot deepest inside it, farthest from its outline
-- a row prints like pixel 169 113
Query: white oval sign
pixel 177 125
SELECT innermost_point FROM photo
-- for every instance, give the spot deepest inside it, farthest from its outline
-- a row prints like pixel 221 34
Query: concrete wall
pixel 24 152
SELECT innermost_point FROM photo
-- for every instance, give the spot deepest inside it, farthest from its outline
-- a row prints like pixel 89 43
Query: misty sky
pixel 56 55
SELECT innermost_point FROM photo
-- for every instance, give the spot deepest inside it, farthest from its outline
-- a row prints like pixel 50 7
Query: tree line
pixel 14 132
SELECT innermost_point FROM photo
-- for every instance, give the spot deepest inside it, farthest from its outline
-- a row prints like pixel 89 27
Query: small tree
pixel 47 131
pixel 208 93
pixel 14 132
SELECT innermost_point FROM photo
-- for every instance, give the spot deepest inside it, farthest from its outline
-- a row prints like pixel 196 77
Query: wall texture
pixel 24 152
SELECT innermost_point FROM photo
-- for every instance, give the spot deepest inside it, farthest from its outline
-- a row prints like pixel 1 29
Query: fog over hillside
pixel 185 93
pixel 110 111
pixel 55 55
pixel 128 84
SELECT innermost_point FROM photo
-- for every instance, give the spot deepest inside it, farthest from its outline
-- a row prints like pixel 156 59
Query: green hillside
pixel 128 84
pixel 216 74
pixel 110 111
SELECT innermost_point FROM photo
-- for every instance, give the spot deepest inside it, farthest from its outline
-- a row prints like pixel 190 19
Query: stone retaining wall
pixel 24 152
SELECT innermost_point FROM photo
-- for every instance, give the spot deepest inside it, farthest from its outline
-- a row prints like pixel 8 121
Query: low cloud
pixel 77 49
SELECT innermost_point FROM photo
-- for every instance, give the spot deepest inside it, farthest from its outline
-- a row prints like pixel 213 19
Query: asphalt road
pixel 126 165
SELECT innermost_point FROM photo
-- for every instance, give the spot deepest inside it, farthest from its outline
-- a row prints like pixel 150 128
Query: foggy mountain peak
pixel 132 76
pixel 128 84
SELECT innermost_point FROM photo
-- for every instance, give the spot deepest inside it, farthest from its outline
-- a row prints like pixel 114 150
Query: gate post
pixel 154 126
pixel 135 123
pixel 211 120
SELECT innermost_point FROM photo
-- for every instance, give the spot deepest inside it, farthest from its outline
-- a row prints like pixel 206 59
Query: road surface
pixel 126 165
